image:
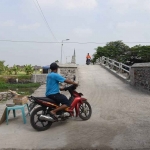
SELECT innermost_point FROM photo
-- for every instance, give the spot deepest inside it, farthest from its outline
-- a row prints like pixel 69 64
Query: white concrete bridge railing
pixel 117 68
pixel 137 75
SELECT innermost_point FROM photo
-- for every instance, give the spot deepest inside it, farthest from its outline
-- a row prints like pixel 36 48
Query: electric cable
pixel 44 18
pixel 20 41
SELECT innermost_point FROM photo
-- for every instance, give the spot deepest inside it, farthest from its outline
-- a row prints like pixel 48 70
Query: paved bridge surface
pixel 120 119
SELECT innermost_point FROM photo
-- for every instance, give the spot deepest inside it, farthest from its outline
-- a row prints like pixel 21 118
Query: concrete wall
pixel 39 78
pixel 140 76
pixel 68 71
pixel 5 96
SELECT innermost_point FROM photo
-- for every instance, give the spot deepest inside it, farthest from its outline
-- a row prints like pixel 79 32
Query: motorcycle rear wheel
pixel 85 111
pixel 35 121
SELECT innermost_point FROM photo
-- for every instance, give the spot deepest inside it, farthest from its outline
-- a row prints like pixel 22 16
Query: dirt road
pixel 120 119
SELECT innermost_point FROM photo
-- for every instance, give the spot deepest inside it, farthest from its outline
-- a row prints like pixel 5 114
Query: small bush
pixel 9 86
pixel 24 77
pixel 2 80
pixel 12 78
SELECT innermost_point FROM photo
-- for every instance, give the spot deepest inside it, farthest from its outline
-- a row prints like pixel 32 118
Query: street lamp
pixel 61 49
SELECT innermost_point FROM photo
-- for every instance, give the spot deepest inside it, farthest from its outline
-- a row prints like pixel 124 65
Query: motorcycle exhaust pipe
pixel 46 118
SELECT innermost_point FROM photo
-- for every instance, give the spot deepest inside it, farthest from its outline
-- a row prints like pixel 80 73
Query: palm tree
pixel 6 68
pixel 1 66
pixel 28 69
pixel 10 71
pixel 16 69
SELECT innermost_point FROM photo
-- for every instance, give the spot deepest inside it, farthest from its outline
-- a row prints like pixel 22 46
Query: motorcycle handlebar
pixel 71 87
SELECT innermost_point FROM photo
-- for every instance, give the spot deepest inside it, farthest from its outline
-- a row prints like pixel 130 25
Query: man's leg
pixel 62 107
pixel 60 98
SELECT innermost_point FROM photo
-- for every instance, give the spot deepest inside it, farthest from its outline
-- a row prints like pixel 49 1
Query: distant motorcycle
pixel 88 61
pixel 40 117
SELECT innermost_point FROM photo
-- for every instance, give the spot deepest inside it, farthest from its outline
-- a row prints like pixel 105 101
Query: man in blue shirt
pixel 52 89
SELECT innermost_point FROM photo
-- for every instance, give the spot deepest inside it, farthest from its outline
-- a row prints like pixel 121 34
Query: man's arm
pixel 61 88
pixel 70 82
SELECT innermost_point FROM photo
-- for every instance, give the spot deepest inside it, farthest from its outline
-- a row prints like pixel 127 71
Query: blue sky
pixel 78 20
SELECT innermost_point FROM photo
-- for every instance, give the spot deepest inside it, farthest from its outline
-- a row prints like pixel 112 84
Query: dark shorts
pixel 60 98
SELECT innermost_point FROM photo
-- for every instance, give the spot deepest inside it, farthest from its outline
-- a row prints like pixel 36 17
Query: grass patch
pixel 2 80
pixel 12 78
pixel 26 85
pixel 4 77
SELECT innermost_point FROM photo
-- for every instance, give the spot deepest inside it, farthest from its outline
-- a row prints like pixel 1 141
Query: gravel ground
pixel 120 119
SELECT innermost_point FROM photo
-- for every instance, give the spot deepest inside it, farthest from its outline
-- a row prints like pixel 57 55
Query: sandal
pixel 53 116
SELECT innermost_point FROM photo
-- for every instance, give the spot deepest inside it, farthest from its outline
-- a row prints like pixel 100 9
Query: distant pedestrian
pixel 88 59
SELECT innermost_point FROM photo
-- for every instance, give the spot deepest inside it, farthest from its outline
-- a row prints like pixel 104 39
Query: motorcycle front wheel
pixel 36 123
pixel 85 111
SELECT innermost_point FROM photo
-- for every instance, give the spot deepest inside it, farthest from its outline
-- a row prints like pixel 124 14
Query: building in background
pixel 73 61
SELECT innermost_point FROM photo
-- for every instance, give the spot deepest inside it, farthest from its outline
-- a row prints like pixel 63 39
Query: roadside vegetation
pixel 25 85
pixel 121 52
pixel 17 77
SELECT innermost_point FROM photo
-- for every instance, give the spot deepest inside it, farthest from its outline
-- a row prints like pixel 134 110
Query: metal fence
pixel 116 66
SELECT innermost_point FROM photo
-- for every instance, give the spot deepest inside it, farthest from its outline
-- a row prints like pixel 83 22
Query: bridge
pixel 120 119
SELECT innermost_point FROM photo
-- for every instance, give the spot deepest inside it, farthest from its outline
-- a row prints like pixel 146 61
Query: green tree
pixel 1 66
pixel 10 70
pixel 6 68
pixel 102 51
pixel 28 69
pixel 117 50
pixel 141 52
pixel 16 69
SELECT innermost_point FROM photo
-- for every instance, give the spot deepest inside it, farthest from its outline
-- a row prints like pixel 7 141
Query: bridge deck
pixel 120 119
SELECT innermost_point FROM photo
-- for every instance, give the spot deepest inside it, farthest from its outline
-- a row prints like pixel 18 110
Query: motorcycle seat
pixel 45 99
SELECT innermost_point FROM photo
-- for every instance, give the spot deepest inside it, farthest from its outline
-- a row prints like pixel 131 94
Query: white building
pixel 73 60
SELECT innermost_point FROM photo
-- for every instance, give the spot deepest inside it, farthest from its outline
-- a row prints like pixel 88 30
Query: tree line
pixel 5 69
pixel 121 52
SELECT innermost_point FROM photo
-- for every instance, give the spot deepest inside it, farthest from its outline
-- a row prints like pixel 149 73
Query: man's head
pixel 88 53
pixel 54 67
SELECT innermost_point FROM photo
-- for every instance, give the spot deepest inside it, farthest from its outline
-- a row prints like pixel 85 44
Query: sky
pixel 80 21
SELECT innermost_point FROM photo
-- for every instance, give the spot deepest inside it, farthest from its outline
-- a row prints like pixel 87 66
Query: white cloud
pixel 83 32
pixel 30 26
pixel 133 25
pixel 132 31
pixel 8 23
pixel 47 2
pixel 127 24
pixel 85 4
pixel 71 4
pixel 123 6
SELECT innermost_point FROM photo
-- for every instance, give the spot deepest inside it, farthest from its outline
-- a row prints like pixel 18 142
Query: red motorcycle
pixel 42 120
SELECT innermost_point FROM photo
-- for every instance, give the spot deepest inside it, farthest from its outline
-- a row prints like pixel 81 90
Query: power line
pixel 44 42
pixel 26 41
pixel 45 19
pixel 16 41
pixel 37 7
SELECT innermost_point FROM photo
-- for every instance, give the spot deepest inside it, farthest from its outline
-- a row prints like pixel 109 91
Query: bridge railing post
pixel 112 64
pixel 107 61
pixel 103 59
pixel 100 60
pixel 120 65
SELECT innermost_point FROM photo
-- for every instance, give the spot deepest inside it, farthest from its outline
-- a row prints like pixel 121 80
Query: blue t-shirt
pixel 52 84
